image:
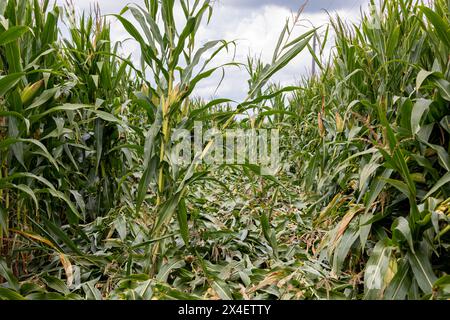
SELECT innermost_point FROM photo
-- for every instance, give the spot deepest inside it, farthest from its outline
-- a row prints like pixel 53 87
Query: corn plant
pixel 103 82
pixel 171 57
pixel 380 160
pixel 47 162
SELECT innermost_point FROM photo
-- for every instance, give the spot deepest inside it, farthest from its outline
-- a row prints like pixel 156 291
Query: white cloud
pixel 257 31
pixel 256 28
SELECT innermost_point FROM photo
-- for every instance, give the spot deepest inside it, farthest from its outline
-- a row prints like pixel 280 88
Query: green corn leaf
pixel 43 98
pixel 3 219
pixel 222 289
pixel 11 141
pixel 72 207
pixel 149 152
pixel 8 294
pixel 6 273
pixel 443 181
pixel 92 293
pixel 166 212
pixel 65 107
pixel 375 189
pixel 400 284
pixel 8 82
pixel 445 123
pixel 56 284
pixel 444 158
pixel 421 77
pixel 31 176
pixel 61 235
pixel 107 117
pixel 26 189
pixel 145 290
pixel 402 231
pixel 145 20
pixel 187 72
pixel 99 129
pixel 16 115
pixel 183 221
pixel 444 88
pixel 45 296
pixel 422 270
pixel 420 107
pixel 269 234
pixel 343 248
pixel 188 29
pixel 441 27
pixel 297 46
pixel 376 269
pixel 168 267
pixel 399 185
pixel 12 34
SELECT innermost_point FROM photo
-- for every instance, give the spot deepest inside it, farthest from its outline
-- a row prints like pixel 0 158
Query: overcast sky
pixel 256 24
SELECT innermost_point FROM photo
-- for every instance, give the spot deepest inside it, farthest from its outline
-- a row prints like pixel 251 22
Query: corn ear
pixel 339 123
pixel 30 92
pixel 321 126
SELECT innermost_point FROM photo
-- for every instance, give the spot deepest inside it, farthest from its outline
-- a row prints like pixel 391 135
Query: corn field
pixel 94 206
